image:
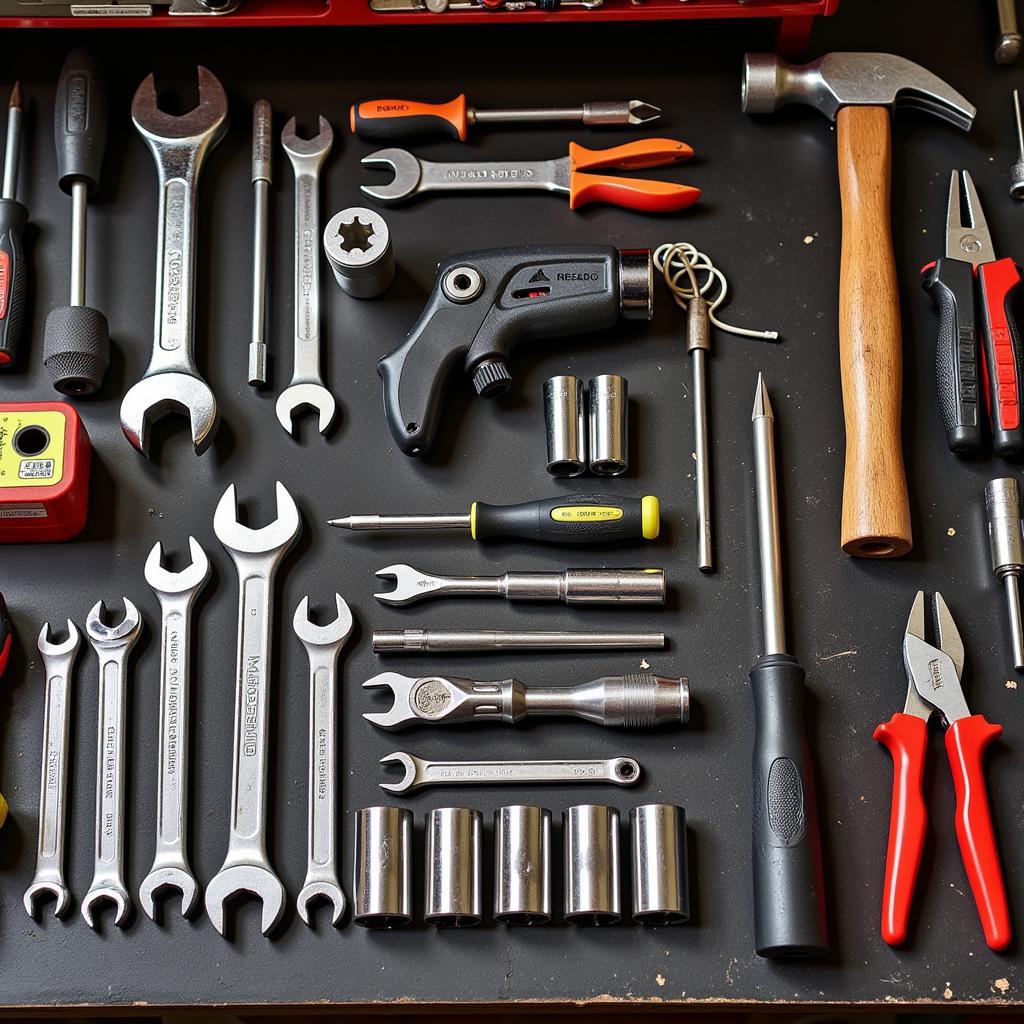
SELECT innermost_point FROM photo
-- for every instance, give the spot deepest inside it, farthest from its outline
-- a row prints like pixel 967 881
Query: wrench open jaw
pixel 58 661
pixel 402 687
pixel 244 540
pixel 411 585
pixel 409 766
pixel 407 170
pixel 167 582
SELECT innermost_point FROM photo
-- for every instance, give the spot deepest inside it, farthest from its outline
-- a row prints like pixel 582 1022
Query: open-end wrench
pixel 256 555
pixel 58 661
pixel 323 644
pixel 176 592
pixel 112 645
pixel 179 145
pixel 307 390
pixel 620 771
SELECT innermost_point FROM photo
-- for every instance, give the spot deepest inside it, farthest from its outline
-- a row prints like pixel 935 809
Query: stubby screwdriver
pixel 13 218
pixel 402 119
pixel 1006 543
pixel 573 519
pixel 789 918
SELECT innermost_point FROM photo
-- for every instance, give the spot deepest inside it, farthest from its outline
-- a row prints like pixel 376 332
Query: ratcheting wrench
pixel 620 771
pixel 58 661
pixel 177 592
pixel 323 645
pixel 112 645
pixel 307 390
pixel 256 555
pixel 179 146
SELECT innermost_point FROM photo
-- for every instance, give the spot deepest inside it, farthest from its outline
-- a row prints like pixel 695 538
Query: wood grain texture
pixel 876 508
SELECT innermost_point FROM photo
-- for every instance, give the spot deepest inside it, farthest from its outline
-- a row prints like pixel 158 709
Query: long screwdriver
pixel 789 901
pixel 389 120
pixel 572 519
pixel 13 218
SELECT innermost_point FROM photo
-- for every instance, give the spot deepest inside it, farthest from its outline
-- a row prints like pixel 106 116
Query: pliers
pixel 950 282
pixel 566 175
pixel 933 675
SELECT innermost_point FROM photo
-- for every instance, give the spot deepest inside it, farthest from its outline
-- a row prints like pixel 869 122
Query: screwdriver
pixel 76 341
pixel 573 519
pixel 13 218
pixel 788 880
pixel 1006 546
pixel 401 119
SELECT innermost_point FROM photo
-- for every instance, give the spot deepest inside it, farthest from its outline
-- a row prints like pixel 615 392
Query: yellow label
pixel 586 513
pixel 31 449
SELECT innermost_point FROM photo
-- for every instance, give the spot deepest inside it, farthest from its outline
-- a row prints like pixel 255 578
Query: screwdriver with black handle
pixel 13 218
pixel 572 519
pixel 789 899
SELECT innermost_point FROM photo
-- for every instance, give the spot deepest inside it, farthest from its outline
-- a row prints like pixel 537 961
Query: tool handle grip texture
pixel 789 898
pixel 80 121
pixel 391 120
pixel 966 742
pixel 1002 356
pixel 950 283
pixel 876 507
pixel 906 739
pixel 569 519
pixel 13 273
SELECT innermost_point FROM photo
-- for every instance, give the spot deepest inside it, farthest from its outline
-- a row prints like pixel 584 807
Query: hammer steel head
pixel 850 79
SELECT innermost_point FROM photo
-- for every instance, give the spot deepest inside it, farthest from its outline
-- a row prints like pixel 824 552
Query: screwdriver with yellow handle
pixel 389 120
pixel 572 519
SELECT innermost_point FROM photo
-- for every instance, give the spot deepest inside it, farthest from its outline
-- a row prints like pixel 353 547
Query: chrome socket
pixel 357 244
pixel 565 426
pixel 660 889
pixel 453 867
pixel 591 844
pixel 609 425
pixel 522 865
pixel 382 883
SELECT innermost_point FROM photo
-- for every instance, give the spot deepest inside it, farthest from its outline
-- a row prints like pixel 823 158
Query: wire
pixel 680 263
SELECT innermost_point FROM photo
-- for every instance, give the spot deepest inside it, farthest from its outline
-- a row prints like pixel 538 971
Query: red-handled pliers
pixel 933 675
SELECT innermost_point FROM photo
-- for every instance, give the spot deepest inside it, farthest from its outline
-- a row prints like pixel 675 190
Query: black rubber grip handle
pixel 573 519
pixel 789 901
pixel 998 282
pixel 950 283
pixel 13 272
pixel 80 121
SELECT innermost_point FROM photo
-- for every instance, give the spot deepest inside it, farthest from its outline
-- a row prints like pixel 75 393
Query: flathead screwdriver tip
pixel 344 523
pixel 641 112
pixel 762 403
pixel 15 100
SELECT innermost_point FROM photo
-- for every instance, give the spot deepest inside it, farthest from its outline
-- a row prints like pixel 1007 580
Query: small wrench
pixel 179 146
pixel 58 661
pixel 112 645
pixel 307 390
pixel 620 771
pixel 256 555
pixel 323 645
pixel 177 592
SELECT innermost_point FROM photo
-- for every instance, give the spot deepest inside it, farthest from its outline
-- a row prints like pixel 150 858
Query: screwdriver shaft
pixel 79 204
pixel 769 542
pixel 403 522
pixel 262 117
pixel 12 153
pixel 411 641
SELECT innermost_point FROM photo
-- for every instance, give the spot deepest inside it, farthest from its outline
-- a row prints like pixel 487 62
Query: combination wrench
pixel 323 645
pixel 256 555
pixel 112 645
pixel 177 592
pixel 179 146
pixel 58 662
pixel 307 390
pixel 620 771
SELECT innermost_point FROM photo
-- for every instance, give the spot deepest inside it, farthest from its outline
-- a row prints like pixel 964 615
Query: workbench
pixel 769 217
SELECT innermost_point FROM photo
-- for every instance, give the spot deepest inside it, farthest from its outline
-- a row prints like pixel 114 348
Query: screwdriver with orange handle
pixel 389 120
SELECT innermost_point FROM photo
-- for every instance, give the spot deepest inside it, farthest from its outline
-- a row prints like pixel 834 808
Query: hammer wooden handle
pixel 876 509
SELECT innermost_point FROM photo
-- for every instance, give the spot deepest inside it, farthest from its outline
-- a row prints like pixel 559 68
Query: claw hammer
pixel 857 90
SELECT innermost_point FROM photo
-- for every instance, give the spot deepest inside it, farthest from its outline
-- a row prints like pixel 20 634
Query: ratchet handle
pixel 966 742
pixel 950 283
pixel 1001 348
pixel 13 273
pixel 391 120
pixel 906 739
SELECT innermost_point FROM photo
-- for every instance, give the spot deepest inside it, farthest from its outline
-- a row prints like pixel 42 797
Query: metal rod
pixel 403 522
pixel 262 118
pixel 12 153
pixel 386 641
pixel 702 452
pixel 1008 46
pixel 79 203
pixel 538 114
pixel 1012 585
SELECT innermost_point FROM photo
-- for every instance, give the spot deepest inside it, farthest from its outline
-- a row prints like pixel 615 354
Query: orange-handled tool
pixel 632 193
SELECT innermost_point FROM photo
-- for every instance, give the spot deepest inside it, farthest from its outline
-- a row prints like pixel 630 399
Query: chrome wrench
pixel 58 662
pixel 323 645
pixel 112 645
pixel 256 555
pixel 307 390
pixel 177 592
pixel 179 146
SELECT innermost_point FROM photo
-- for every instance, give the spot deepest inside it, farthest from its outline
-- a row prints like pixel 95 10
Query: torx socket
pixel 522 865
pixel 453 867
pixel 382 883
pixel 660 889
pixel 565 426
pixel 357 244
pixel 609 425
pixel 590 834
pixel 1006 544
pixel 415 641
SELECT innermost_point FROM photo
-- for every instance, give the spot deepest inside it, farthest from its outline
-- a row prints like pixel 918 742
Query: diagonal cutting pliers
pixel 999 364
pixel 933 675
